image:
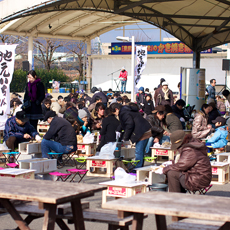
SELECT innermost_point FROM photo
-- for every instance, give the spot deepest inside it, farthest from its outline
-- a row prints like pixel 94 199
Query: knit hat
pixel 219 119
pixel 141 88
pixel 82 113
pixel 177 139
pixel 165 83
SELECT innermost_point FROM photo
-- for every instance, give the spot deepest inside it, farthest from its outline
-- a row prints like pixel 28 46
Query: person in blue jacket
pixel 219 139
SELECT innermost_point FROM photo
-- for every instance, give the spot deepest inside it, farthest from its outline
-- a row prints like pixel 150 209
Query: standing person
pixel 123 76
pixel 140 97
pixel 34 95
pixel 148 104
pixel 211 91
pixel 136 129
pixel 200 128
pixel 158 89
pixel 193 169
pixel 165 95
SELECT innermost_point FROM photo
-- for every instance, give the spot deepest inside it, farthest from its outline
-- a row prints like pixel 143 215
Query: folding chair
pixel 150 159
pixel 81 162
pixel 201 191
pixel 80 172
pixel 56 156
pixel 130 164
pixel 11 156
pixel 68 157
pixel 13 165
pixel 63 176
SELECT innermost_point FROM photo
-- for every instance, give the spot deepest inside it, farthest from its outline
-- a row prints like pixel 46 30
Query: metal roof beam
pixel 197 25
pixel 224 1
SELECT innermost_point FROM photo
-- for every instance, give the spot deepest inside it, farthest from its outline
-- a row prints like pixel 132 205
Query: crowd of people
pixel 154 118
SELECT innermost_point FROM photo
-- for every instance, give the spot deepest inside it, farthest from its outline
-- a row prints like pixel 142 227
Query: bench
pixel 195 224
pixel 63 212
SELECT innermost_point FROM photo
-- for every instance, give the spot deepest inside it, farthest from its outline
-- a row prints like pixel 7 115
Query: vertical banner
pixel 7 55
pixel 141 58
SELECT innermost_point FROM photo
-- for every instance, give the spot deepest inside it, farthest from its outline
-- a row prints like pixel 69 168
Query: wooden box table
pixel 49 194
pixel 163 152
pixel 100 167
pixel 172 204
pixel 223 157
pixel 88 149
pixel 17 173
pixel 29 150
pixel 145 174
pixel 128 153
pixel 122 190
pixel 220 172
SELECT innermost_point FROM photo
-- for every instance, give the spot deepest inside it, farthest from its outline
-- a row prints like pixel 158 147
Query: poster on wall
pixel 201 84
pixel 7 55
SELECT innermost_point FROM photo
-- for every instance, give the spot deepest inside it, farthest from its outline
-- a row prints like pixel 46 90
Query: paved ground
pixel 7 223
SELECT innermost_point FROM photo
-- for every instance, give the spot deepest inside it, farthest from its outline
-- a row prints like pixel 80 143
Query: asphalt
pixel 7 223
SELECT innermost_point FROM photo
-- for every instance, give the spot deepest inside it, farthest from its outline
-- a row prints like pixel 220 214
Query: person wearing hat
pixel 82 114
pixel 123 77
pixel 140 97
pixel 218 140
pixel 18 130
pixel 193 169
pixel 61 136
pixel 155 120
pixel 165 95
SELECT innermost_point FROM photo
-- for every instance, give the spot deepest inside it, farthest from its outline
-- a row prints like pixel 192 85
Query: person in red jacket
pixel 123 76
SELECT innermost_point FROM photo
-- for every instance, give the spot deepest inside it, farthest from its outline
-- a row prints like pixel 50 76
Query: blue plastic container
pixel 62 90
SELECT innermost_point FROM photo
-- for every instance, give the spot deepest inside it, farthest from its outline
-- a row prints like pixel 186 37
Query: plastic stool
pixel 56 156
pixel 80 172
pixel 81 161
pixel 201 191
pixel 13 165
pixel 130 164
pixel 63 176
pixel 149 159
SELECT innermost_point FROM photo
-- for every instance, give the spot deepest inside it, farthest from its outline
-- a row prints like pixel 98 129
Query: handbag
pixel 26 105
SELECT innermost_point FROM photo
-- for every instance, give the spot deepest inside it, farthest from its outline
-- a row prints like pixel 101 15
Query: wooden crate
pixel 220 173
pixel 30 148
pixel 163 152
pixel 122 190
pixel 17 173
pixel 88 149
pixel 40 165
pixel 144 174
pixel 100 167
pixel 222 157
pixel 128 153
pixel 43 128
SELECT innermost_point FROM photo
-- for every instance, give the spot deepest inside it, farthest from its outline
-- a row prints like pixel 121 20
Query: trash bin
pixel 158 187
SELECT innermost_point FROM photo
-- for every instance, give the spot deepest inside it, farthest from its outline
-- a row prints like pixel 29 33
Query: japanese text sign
pixel 7 54
pixel 141 57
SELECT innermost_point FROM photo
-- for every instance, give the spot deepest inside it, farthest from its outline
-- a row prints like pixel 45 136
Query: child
pixel 148 104
pixel 219 138
pixel 83 116
pixel 220 105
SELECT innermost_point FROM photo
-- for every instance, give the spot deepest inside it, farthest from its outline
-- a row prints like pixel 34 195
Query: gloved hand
pixel 118 135
pixel 38 138
pixel 182 119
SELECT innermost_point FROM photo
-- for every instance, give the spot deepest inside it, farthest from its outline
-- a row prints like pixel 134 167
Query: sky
pixel 144 31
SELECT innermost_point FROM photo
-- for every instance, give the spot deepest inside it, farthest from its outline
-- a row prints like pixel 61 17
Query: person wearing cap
pixel 18 130
pixel 140 97
pixel 155 120
pixel 193 169
pixel 218 140
pixel 158 89
pixel 82 114
pixel 61 136
pixel 165 95
pixel 123 77
pixel 200 127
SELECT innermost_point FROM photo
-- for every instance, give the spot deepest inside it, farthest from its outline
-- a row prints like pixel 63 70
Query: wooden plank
pixel 78 218
pixel 173 204
pixel 45 191
pixel 49 216
pixel 14 214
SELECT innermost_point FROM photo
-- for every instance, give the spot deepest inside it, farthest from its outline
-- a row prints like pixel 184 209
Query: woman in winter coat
pixel 34 95
pixel 165 96
pixel 193 169
pixel 97 116
pixel 200 127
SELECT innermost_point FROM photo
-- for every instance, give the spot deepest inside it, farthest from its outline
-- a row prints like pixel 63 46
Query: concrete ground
pixel 7 223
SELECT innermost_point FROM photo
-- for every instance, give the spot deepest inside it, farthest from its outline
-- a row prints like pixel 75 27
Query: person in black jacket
pixel 61 136
pixel 136 129
pixel 213 114
pixel 34 95
pixel 148 104
pixel 109 126
pixel 46 106
pixel 179 112
pixel 140 97
pixel 100 94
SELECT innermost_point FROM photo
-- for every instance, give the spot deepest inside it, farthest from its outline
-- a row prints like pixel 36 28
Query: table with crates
pixel 161 152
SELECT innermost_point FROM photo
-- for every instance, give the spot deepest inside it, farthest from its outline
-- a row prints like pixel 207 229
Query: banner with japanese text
pixel 177 47
pixel 141 60
pixel 7 55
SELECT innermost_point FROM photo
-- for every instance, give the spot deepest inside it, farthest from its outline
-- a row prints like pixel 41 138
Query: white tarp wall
pixel 168 68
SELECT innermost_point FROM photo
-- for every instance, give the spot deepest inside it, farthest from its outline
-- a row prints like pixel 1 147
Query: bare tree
pixel 140 36
pixel 47 48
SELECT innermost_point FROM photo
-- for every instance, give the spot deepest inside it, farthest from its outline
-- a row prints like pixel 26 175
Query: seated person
pixel 179 112
pixel 97 116
pixel 46 106
pixel 61 136
pixel 193 169
pixel 109 125
pixel 18 130
pixel 83 116
pixel 218 140
pixel 213 114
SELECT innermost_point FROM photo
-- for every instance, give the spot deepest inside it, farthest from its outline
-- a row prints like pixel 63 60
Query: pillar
pixel 196 60
pixel 88 76
pixel 228 72
pixel 30 51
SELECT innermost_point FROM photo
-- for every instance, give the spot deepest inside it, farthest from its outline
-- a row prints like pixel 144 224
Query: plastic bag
pixel 88 138
pixel 122 176
pixel 107 151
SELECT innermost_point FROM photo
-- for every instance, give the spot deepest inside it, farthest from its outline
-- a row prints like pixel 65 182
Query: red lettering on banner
pixel 99 163
pixel 214 170
pixel 155 48
pixel 187 49
pixel 116 191
pixel 161 48
pixel 161 152
pixel 168 48
pixel 181 48
pixel 174 48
